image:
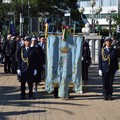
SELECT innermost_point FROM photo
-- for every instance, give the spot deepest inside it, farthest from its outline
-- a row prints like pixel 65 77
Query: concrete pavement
pixel 87 106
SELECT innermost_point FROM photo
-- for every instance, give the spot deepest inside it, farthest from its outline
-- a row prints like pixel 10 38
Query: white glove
pixel 82 58
pixel 100 72
pixel 19 72
pixel 43 66
pixel 116 73
pixel 35 72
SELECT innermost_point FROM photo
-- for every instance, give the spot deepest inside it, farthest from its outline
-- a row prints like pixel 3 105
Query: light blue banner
pixel 64 64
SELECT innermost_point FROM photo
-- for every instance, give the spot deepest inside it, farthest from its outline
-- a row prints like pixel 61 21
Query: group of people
pixel 25 56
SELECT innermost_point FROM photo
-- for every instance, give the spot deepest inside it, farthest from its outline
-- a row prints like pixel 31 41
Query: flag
pixel 12 29
pixel 65 33
pixel 64 64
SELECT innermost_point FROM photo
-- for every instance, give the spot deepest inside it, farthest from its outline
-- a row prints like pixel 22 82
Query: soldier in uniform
pixel 108 67
pixel 26 67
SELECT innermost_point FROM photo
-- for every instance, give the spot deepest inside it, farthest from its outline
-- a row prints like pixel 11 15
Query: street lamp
pixel 81 10
pixel 92 2
pixel 97 10
pixel 86 29
pixel 109 19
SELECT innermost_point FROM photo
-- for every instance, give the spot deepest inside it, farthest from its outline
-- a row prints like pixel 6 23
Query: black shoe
pixel 106 98
pixel 55 97
pixel 22 98
pixel 6 71
pixel 9 72
pixel 32 98
pixel 110 98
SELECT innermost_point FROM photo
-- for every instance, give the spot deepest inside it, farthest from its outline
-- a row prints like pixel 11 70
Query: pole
pixel 93 27
pixel 28 17
pixel 20 30
pixel 110 21
pixel 21 20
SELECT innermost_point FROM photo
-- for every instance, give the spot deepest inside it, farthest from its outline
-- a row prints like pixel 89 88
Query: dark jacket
pixel 6 48
pixel 110 65
pixel 86 60
pixel 86 52
pixel 26 61
pixel 40 55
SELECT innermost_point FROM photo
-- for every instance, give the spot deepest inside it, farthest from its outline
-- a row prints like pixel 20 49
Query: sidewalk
pixel 87 106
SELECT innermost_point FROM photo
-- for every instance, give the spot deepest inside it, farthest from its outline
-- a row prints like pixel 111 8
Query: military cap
pixel 27 38
pixel 42 35
pixel 107 39
pixel 34 39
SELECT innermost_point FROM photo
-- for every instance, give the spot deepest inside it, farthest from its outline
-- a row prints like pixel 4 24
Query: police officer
pixel 108 66
pixel 26 67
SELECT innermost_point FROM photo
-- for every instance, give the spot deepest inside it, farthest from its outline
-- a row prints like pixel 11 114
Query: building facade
pixel 106 6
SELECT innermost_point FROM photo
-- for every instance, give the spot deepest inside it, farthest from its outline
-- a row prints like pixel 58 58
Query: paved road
pixel 87 106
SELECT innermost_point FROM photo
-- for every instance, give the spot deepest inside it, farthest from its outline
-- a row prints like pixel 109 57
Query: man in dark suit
pixel 86 60
pixel 7 54
pixel 42 44
pixel 108 66
pixel 13 52
pixel 26 67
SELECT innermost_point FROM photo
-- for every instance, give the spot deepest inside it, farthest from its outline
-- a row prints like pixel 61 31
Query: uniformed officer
pixel 26 67
pixel 39 61
pixel 108 66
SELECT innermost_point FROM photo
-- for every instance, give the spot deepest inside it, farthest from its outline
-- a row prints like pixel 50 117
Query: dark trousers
pixel 84 71
pixel 13 64
pixel 25 79
pixel 108 79
pixel 7 64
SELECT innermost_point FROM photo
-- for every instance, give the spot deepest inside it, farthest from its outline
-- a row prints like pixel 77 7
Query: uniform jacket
pixel 107 66
pixel 26 67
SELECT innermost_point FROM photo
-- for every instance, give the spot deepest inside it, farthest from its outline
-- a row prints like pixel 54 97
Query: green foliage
pixel 117 20
pixel 36 7
pixel 104 32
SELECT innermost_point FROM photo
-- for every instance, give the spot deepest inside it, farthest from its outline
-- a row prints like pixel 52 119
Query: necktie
pixel 27 49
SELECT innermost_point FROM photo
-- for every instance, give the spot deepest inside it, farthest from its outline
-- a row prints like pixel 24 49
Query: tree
pixel 53 7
